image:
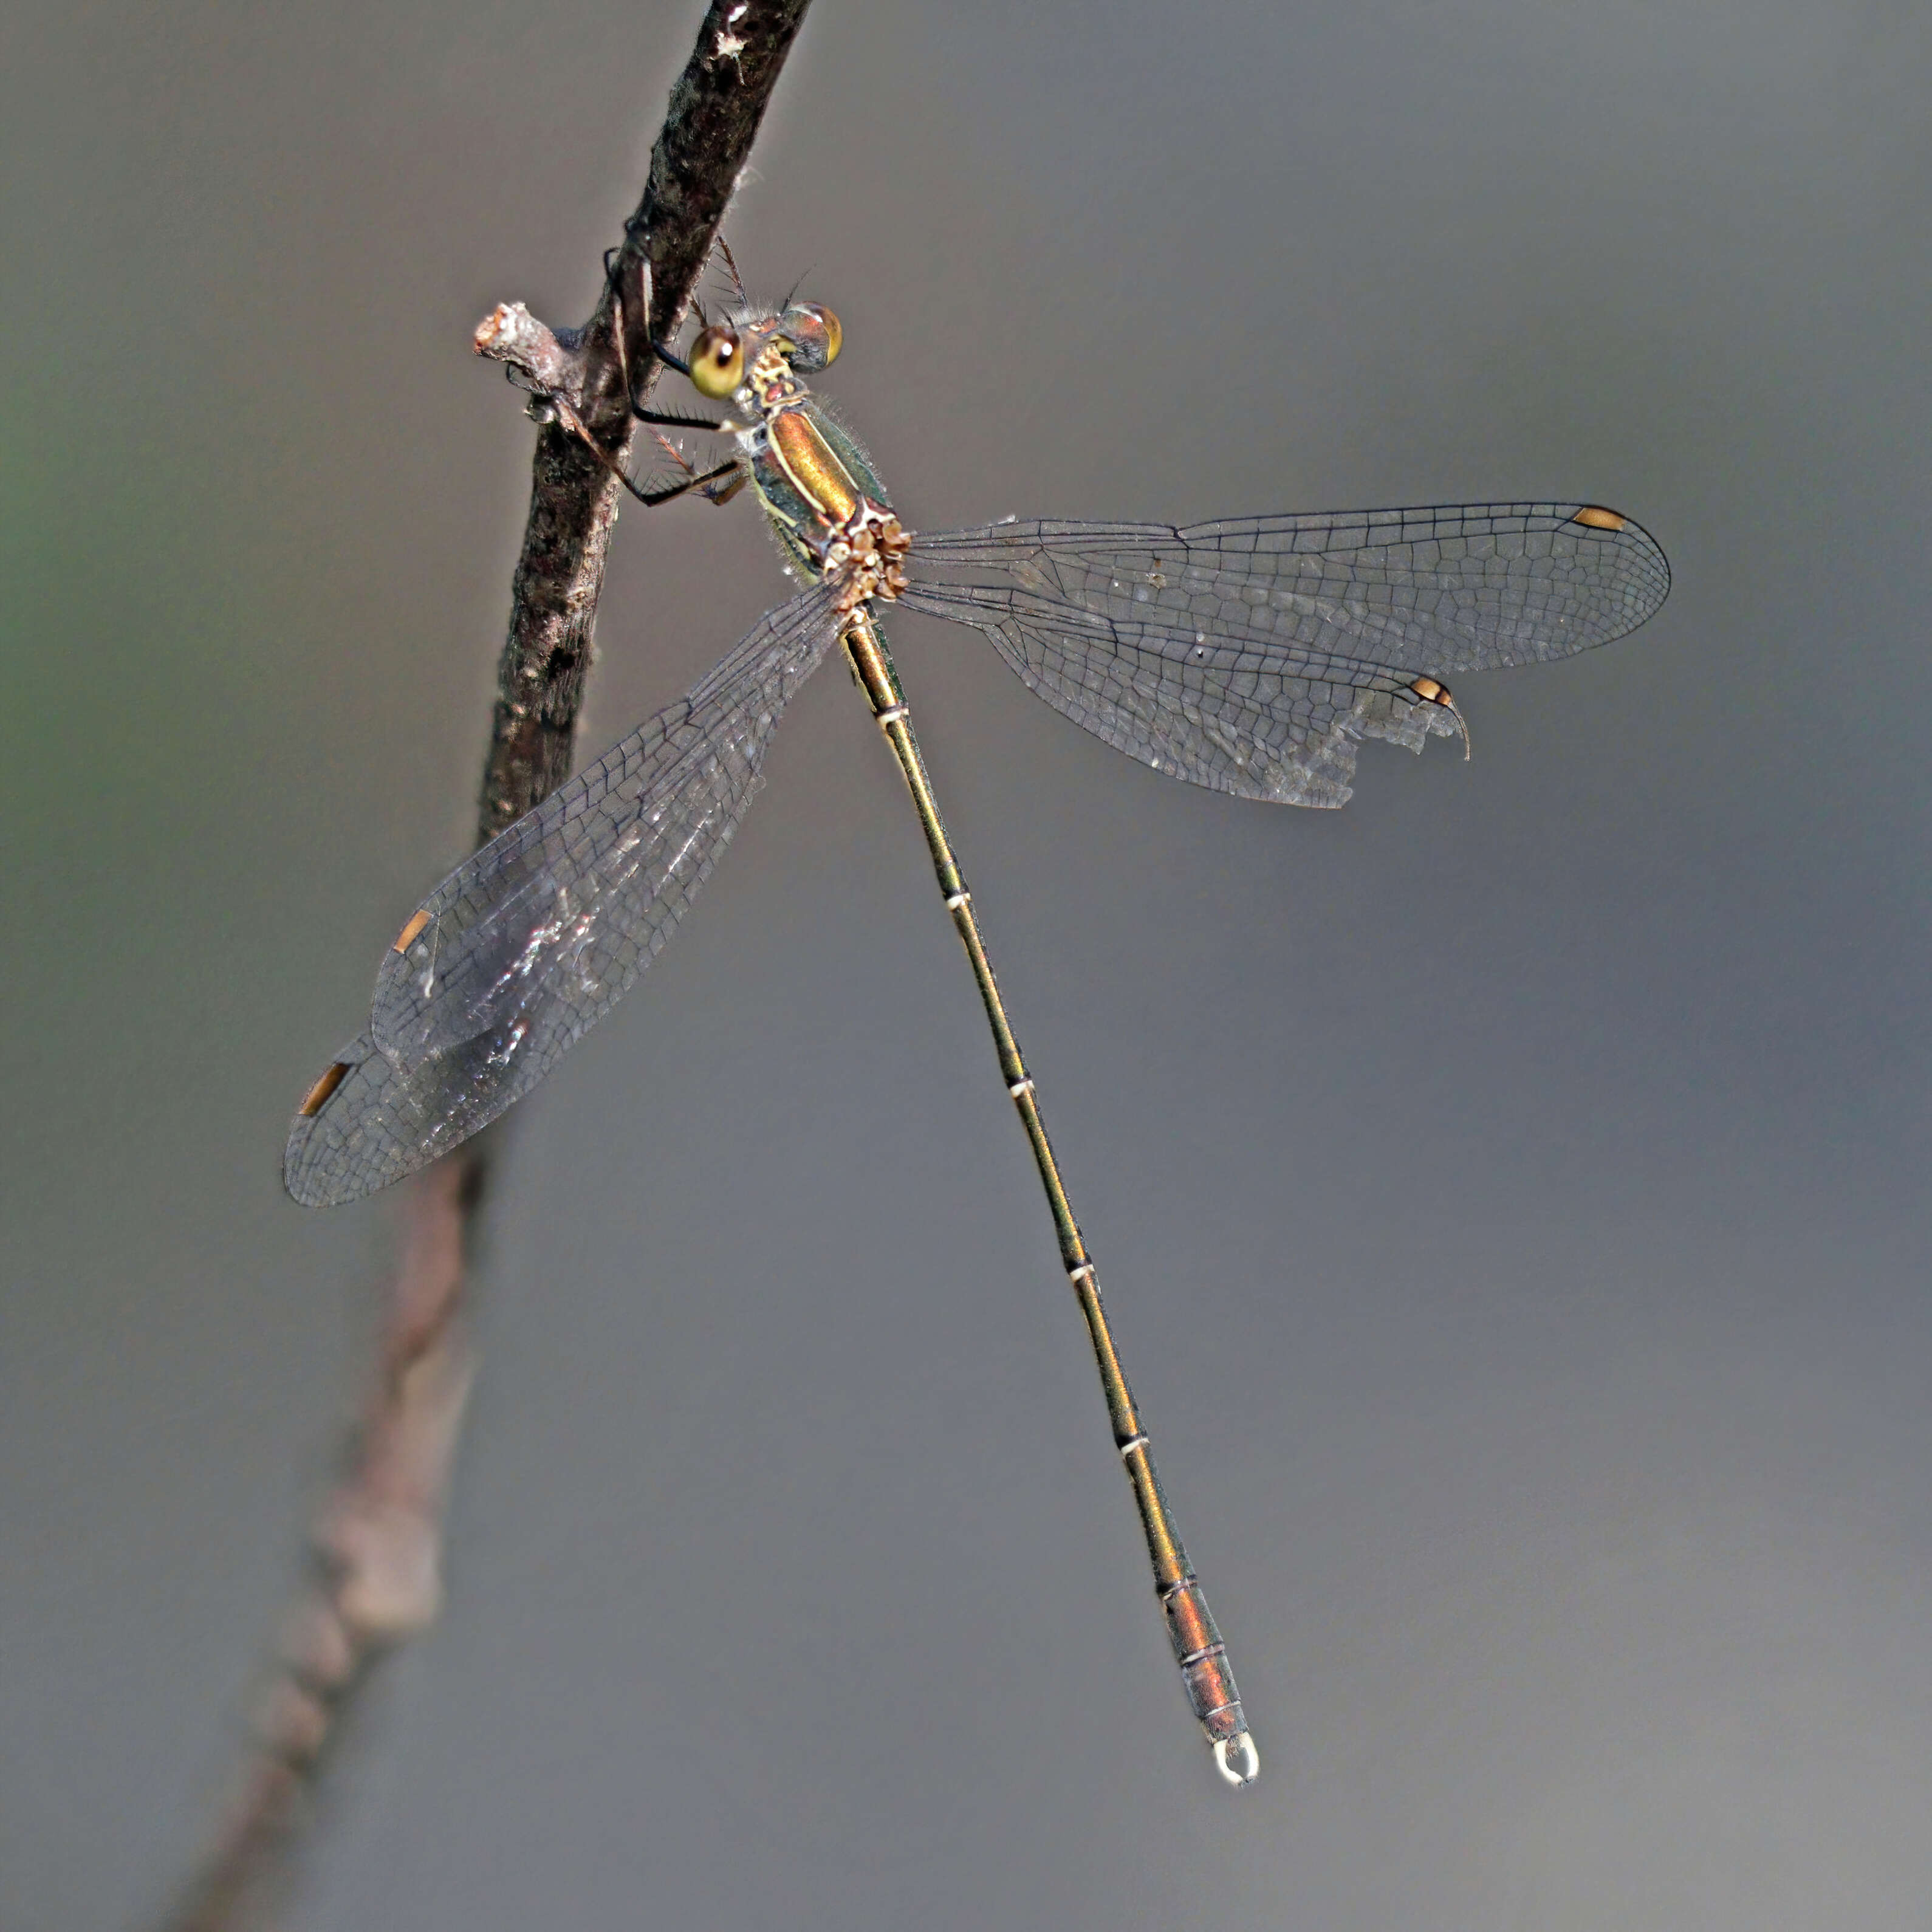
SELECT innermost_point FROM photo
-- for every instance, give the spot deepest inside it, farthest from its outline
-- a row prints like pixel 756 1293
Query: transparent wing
pixel 1198 705
pixel 1249 655
pixel 527 945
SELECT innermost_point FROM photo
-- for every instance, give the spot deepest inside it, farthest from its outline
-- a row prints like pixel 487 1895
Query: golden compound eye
pixel 717 362
pixel 834 334
pixel 814 333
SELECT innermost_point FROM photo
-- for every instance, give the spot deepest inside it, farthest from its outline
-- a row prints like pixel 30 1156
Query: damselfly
pixel 1249 656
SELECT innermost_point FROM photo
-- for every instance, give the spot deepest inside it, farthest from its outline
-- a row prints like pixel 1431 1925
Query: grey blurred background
pixel 1509 1190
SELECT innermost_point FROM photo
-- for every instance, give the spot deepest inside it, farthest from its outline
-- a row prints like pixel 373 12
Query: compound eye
pixel 814 332
pixel 717 362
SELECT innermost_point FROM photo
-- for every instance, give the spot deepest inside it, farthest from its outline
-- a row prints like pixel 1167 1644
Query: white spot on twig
pixel 729 45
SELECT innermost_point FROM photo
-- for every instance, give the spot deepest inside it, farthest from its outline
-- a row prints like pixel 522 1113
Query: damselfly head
pixel 806 335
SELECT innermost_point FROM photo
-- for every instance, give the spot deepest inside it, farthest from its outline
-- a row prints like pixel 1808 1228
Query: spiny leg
pixel 654 417
pixel 651 498
pixel 662 355
pixel 707 483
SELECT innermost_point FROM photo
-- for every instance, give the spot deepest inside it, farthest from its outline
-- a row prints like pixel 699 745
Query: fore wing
pixel 532 940
pixel 1250 654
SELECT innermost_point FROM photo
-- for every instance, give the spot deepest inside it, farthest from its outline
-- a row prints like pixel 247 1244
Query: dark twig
pixel 715 111
pixel 376 1545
